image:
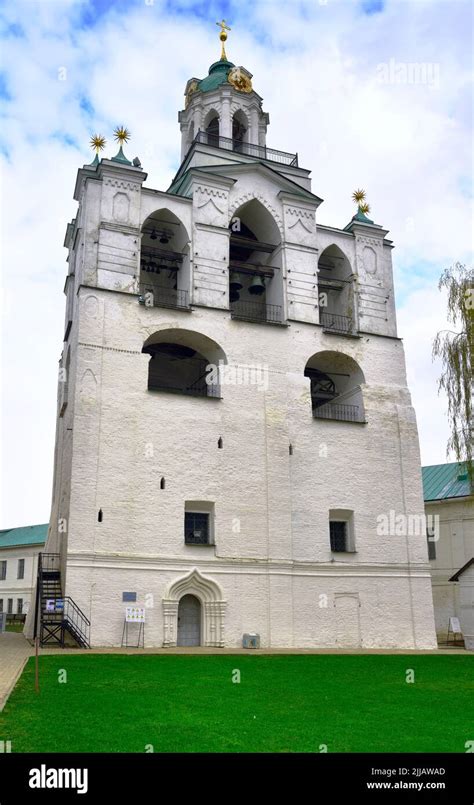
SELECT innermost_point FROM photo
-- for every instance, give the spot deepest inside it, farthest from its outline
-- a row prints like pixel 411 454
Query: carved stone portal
pixel 209 593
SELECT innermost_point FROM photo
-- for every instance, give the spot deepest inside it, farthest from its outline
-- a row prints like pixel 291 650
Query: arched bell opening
pixel 184 362
pixel 164 261
pixel 255 281
pixel 336 291
pixel 212 128
pixel 336 387
pixel 240 128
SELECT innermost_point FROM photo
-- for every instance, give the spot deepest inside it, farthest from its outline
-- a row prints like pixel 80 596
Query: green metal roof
pixel 218 73
pixel 444 481
pixel 24 535
pixel 360 218
pixel 120 157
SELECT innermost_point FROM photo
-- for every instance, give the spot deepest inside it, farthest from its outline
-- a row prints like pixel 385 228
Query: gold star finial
pixel 358 196
pixel 97 142
pixel 121 134
pixel 364 208
pixel 223 36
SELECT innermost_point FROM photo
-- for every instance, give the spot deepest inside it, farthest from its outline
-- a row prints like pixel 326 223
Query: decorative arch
pixel 163 219
pixel 209 593
pixel 236 204
pixel 338 252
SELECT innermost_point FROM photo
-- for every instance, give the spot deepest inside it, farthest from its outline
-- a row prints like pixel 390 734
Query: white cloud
pixel 316 67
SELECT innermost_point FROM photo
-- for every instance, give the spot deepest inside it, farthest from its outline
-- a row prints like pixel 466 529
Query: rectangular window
pixel 19 606
pixel 10 606
pixel 3 570
pixel 1 604
pixel 196 528
pixel 338 536
pixel 21 569
pixel 430 536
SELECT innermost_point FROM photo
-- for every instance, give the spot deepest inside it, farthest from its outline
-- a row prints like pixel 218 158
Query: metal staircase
pixel 59 619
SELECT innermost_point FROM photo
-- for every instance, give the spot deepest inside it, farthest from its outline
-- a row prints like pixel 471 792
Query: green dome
pixel 218 73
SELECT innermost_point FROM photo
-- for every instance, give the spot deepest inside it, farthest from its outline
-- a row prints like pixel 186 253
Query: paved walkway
pixel 14 652
pixel 224 651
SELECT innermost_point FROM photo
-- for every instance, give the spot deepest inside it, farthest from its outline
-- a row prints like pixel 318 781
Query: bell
pixel 234 296
pixel 257 286
pixel 235 283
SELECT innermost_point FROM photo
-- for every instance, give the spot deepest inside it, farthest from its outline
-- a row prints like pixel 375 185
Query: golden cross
pixel 224 27
pixel 223 36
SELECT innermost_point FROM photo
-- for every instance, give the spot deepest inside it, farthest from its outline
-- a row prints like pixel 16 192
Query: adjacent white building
pixel 233 410
pixel 449 506
pixel 19 549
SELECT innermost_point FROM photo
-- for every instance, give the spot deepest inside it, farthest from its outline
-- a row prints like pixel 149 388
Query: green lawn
pixel 120 703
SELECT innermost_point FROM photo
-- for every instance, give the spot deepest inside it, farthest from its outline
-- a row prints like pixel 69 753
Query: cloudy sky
pixel 371 93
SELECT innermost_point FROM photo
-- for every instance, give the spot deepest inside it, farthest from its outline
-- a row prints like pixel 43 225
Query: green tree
pixel 455 348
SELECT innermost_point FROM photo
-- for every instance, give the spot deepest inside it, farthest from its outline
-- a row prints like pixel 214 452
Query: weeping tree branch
pixel 455 348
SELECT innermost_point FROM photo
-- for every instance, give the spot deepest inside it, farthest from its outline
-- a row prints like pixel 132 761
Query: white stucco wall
pixel 271 560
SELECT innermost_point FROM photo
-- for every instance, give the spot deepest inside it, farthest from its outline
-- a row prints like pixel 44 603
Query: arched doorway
pixel 189 621
pixel 211 604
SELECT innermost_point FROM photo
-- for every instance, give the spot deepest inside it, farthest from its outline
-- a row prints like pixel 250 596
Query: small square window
pixel 196 528
pixel 338 536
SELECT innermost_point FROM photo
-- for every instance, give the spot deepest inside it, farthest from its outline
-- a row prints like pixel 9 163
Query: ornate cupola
pixel 223 109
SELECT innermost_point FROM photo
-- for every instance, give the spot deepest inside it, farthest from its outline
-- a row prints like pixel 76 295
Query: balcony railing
pixel 195 390
pixel 339 411
pixel 157 296
pixel 256 311
pixel 251 150
pixel 336 323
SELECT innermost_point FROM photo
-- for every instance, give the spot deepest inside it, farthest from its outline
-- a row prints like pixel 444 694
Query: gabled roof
pixel 445 481
pixel 257 166
pixel 461 570
pixel 24 535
